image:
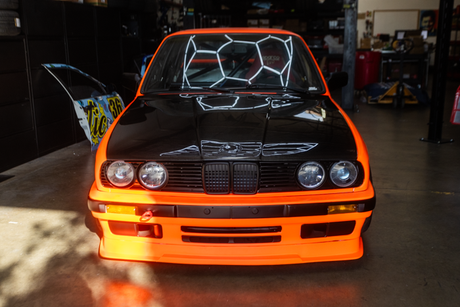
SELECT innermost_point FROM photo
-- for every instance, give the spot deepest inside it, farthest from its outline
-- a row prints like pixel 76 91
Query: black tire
pixel 9 23
pixel 93 224
pixel 9 4
pixel 366 224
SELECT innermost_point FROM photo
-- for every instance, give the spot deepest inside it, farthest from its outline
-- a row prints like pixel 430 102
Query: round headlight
pixel 152 175
pixel 311 175
pixel 120 174
pixel 344 174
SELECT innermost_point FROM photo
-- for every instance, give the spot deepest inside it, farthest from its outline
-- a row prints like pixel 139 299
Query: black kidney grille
pixel 245 178
pixel 216 178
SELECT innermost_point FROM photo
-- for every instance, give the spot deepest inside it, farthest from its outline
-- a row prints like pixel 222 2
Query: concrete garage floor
pixel 48 250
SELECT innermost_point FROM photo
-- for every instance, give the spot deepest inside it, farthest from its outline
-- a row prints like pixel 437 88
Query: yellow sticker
pixel 115 106
pixel 97 121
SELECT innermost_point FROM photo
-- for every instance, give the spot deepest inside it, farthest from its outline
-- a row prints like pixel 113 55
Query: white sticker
pixel 17 22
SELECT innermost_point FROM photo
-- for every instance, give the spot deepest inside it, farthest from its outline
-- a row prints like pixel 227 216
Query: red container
pixel 367 68
pixel 455 116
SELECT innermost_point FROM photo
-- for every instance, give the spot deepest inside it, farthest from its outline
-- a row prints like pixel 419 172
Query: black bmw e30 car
pixel 233 152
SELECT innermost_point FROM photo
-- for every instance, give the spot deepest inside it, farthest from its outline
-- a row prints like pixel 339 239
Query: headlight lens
pixel 311 175
pixel 120 174
pixel 344 174
pixel 152 175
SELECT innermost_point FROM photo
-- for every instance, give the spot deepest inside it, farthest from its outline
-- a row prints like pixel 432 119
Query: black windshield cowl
pixel 219 89
pixel 278 87
pixel 182 87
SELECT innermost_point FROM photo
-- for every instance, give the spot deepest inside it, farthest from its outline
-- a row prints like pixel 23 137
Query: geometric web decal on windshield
pixel 264 60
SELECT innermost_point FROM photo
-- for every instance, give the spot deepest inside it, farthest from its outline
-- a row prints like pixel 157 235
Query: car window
pixel 78 84
pixel 232 61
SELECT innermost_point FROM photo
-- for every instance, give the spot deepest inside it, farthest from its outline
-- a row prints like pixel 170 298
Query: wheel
pixel 93 224
pixel 366 224
pixel 9 23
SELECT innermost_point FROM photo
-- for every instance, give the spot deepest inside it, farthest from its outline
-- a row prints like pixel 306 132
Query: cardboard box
pixel 378 44
pixel 253 22
pixel 292 25
pixel 264 23
pixel 102 3
pixel 303 26
pixel 366 43
pixel 418 47
pixel 417 40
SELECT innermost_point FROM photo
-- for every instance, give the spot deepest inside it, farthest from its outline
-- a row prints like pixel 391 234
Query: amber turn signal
pixel 335 209
pixel 121 209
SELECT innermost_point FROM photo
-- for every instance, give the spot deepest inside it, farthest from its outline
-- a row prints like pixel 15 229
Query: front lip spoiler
pixel 236 212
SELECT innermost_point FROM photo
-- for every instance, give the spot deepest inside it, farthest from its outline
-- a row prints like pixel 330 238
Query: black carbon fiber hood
pixel 232 127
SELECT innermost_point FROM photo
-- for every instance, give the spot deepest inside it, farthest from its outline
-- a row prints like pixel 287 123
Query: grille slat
pixel 183 182
pixel 231 240
pixel 231 230
pixel 184 177
pixel 278 177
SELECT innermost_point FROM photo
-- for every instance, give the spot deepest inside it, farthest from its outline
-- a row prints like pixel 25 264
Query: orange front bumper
pixel 290 249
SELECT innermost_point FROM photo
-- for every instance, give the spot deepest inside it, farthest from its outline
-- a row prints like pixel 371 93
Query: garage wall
pixel 16 109
pixel 371 5
pixel 36 115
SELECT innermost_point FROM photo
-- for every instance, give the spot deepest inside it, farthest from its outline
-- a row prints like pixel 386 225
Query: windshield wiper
pixel 177 87
pixel 180 87
pixel 275 86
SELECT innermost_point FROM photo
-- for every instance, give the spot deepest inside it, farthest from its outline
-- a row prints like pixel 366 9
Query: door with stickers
pixel 95 104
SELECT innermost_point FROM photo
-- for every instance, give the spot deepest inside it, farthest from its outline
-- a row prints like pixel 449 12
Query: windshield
pixel 229 61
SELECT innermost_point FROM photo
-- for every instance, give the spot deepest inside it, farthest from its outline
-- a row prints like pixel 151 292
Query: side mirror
pixel 337 80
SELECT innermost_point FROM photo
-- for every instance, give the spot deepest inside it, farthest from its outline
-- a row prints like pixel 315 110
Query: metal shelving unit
pixel 417 68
